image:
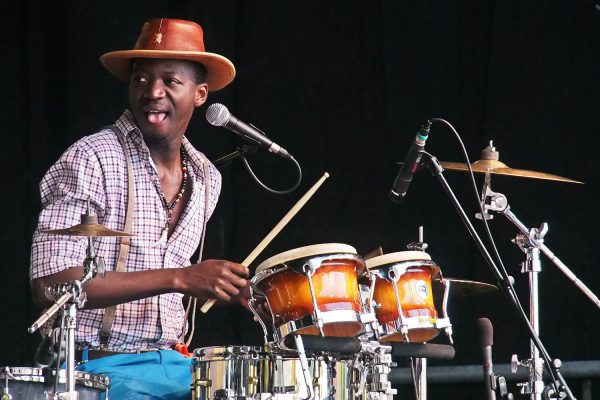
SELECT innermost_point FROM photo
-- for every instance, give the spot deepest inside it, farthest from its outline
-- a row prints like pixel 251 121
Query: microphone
pixel 218 115
pixel 410 165
pixel 486 337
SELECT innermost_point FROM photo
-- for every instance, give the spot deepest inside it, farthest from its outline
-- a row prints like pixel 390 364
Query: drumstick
pixel 276 229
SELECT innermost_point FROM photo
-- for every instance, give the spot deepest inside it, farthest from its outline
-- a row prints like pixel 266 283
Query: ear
pixel 201 94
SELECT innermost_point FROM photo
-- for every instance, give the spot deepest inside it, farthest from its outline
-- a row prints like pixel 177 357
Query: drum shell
pixel 221 373
pixel 26 383
pixel 416 300
pixel 335 284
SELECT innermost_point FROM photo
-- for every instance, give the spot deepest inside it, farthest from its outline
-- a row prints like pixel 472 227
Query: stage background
pixel 343 85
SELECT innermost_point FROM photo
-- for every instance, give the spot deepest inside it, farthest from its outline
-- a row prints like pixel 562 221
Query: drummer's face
pixel 163 95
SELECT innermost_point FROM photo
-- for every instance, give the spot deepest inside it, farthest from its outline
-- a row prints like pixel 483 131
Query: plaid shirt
pixel 94 168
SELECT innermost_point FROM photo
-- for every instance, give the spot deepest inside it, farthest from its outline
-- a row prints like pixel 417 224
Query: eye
pixel 172 81
pixel 139 79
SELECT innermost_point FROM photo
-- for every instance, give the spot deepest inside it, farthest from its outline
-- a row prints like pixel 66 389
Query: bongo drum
pixel 312 290
pixel 403 298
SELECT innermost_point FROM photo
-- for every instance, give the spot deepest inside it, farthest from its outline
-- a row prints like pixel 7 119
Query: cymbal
pixel 499 168
pixel 465 288
pixel 490 162
pixel 88 229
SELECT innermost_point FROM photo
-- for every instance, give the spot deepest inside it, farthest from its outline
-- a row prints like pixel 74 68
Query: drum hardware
pixel 309 270
pixel 308 382
pixel 532 266
pixel 420 245
pixel 71 296
pixel 257 317
pixel 436 168
pixel 531 242
pixel 401 321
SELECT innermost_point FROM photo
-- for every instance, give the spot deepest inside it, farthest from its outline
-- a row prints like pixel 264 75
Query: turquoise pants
pixel 156 375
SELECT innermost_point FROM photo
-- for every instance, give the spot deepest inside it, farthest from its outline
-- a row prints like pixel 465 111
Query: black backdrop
pixel 343 85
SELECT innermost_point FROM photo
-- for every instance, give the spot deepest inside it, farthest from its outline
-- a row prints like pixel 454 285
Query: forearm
pixel 217 279
pixel 114 288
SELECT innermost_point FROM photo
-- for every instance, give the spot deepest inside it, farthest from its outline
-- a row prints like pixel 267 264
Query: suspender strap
pixel 193 301
pixel 109 312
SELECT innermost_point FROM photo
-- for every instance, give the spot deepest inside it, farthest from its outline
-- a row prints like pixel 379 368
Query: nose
pixel 155 90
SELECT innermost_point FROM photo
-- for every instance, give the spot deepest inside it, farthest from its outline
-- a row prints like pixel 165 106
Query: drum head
pixel 304 252
pixel 398 257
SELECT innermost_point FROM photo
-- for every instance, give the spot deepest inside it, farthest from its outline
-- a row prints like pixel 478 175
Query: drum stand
pixel 377 358
pixel 531 242
pixel 69 297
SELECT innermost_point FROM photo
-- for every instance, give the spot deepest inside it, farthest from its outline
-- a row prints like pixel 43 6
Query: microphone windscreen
pixel 217 114
pixel 486 332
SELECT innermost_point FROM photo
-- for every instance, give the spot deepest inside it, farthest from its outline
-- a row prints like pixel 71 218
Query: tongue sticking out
pixel 156 118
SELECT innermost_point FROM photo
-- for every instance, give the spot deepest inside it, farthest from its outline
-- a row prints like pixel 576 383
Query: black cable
pixel 268 189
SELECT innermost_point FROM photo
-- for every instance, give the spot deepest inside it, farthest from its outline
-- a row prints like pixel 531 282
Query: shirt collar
pixel 127 125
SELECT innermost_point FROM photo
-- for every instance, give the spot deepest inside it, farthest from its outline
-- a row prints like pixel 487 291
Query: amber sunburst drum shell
pixel 335 282
pixel 414 292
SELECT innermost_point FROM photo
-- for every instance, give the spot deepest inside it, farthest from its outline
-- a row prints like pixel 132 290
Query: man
pixel 176 190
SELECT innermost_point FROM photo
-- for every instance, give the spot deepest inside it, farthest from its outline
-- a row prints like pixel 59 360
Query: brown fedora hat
pixel 172 39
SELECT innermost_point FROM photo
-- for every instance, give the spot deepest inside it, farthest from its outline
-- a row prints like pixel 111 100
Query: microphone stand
pixel 531 242
pixel 238 152
pixel 436 169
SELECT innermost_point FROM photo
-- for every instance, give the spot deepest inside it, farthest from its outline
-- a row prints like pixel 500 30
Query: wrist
pixel 178 282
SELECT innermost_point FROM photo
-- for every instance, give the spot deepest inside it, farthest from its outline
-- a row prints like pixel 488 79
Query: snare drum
pixel 251 372
pixel 323 274
pixel 403 283
pixel 23 383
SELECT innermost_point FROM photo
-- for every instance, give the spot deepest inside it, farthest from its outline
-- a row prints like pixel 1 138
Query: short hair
pixel 200 72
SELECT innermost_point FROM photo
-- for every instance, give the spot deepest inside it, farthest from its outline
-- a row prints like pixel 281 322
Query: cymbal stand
pixel 69 297
pixel 499 203
pixel 436 169
pixel 531 242
pixel 533 266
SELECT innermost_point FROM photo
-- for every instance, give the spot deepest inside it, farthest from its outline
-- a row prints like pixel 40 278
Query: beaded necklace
pixel 170 206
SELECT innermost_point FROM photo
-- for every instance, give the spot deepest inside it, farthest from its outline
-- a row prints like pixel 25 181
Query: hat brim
pixel 220 71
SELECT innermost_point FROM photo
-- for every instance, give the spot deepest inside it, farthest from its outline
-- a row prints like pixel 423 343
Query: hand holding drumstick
pixel 271 235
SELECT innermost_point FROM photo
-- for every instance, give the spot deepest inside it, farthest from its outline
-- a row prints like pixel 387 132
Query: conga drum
pixel 312 290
